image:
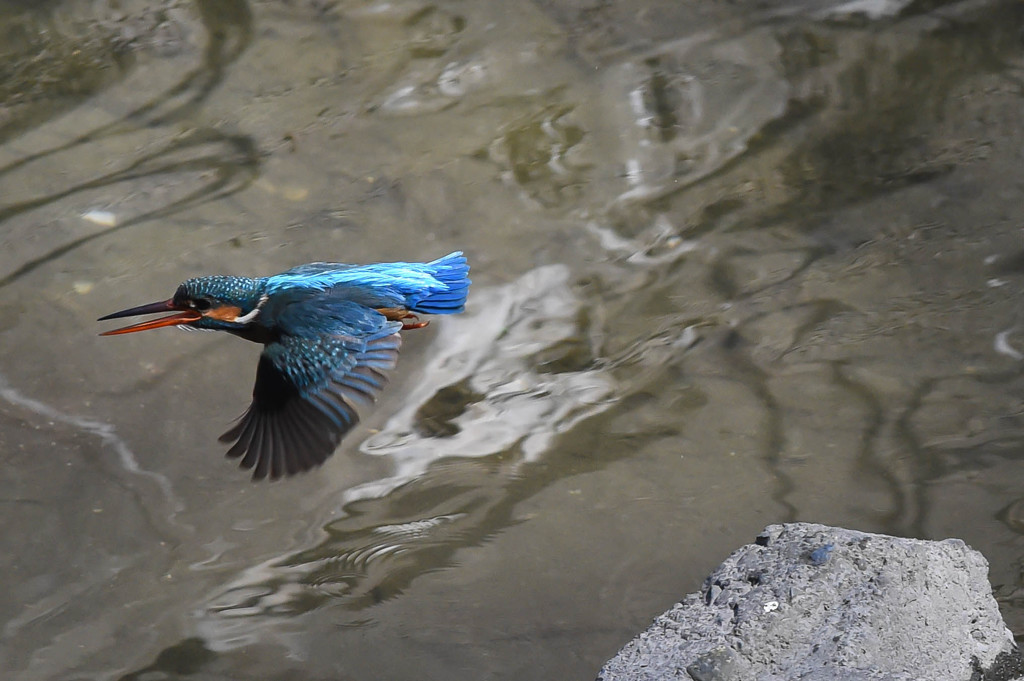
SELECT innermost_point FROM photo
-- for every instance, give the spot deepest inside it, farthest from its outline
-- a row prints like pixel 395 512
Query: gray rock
pixel 812 602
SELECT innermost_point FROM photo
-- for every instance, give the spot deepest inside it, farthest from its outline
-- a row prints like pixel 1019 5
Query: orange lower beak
pixel 186 316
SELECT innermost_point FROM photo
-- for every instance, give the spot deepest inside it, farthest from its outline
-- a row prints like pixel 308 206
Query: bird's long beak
pixel 184 316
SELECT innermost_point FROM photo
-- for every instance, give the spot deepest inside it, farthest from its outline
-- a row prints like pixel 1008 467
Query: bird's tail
pixel 453 271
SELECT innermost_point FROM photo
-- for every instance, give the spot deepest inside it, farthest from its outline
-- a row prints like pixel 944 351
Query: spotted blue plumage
pixel 330 333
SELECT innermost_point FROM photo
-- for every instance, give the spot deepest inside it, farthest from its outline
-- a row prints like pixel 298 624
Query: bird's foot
pixel 413 325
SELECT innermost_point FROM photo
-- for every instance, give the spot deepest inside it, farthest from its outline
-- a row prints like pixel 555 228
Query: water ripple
pixel 448 488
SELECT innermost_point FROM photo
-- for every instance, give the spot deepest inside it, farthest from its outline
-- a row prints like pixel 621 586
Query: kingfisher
pixel 329 332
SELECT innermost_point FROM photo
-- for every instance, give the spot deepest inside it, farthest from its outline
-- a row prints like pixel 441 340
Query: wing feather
pixel 306 387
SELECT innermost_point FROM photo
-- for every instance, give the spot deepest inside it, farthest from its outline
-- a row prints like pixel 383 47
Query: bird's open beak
pixel 184 316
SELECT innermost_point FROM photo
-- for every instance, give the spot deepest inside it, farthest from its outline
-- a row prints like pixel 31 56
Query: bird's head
pixel 218 302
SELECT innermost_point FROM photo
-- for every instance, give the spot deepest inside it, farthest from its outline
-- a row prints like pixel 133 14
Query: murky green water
pixel 734 264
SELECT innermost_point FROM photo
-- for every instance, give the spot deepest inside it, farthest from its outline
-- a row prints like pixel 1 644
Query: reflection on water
pixel 512 399
pixel 157 175
pixel 733 267
pixel 690 106
pixel 448 490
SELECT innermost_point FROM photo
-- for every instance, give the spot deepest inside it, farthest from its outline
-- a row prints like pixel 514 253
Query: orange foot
pixel 401 314
pixel 413 325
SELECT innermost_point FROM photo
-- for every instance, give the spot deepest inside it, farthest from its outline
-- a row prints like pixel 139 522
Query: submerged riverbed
pixel 733 264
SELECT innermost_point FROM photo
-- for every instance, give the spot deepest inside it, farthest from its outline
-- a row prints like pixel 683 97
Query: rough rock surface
pixel 812 602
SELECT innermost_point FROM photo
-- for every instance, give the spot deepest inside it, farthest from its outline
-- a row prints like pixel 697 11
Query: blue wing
pixel 437 287
pixel 308 382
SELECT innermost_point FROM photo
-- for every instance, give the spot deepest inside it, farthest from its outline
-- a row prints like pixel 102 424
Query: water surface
pixel 733 265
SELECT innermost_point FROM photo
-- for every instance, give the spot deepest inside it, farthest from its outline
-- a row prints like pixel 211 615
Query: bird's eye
pixel 202 304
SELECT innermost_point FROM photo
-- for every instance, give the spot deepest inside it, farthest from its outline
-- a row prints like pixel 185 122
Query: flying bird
pixel 329 331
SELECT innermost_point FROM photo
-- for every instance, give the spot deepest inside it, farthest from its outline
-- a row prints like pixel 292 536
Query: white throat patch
pixel 246 318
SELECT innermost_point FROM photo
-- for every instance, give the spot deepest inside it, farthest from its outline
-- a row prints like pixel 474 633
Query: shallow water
pixel 733 265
